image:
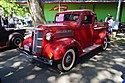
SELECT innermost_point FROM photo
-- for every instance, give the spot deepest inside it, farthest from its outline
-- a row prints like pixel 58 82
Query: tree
pixel 9 6
pixel 37 11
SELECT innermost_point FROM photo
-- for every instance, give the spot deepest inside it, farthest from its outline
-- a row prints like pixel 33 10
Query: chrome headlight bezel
pixel 48 36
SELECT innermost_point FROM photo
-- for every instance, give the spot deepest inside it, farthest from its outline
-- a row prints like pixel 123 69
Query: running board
pixel 90 48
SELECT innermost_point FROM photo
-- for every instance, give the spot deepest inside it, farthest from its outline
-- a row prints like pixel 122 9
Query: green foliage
pixel 10 6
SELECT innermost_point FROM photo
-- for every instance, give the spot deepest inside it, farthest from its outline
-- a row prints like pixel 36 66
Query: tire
pixel 16 41
pixel 105 44
pixel 68 60
pixel 32 61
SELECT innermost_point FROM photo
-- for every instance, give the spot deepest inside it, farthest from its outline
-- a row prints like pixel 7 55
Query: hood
pixel 60 26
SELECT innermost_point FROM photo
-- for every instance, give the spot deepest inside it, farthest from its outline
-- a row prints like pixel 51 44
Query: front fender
pixel 28 41
pixel 58 48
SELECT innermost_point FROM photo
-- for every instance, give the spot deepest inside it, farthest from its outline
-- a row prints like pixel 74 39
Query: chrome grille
pixel 37 42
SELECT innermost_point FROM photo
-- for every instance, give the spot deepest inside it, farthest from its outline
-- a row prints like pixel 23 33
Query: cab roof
pixel 76 11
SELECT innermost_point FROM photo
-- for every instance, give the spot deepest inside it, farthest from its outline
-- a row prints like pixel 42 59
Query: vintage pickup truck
pixel 73 34
pixel 11 38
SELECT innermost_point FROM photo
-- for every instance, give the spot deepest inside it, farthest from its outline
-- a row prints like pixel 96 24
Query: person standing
pixel 95 18
pixel 11 22
pixel 5 21
pixel 110 24
pixel 1 22
pixel 107 18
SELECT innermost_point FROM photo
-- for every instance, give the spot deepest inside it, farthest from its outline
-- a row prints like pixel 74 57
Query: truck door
pixel 87 30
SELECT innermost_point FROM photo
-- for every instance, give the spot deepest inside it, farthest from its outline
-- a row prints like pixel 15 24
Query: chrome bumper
pixel 36 58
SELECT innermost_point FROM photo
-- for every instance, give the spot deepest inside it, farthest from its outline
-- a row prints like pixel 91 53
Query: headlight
pixel 48 36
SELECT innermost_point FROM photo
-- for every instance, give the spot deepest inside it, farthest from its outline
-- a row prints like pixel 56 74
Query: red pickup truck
pixel 73 34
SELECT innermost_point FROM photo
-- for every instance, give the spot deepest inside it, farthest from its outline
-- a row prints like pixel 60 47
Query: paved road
pixel 95 67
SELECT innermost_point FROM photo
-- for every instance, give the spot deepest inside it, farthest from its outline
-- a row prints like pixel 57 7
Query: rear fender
pixel 59 47
pixel 15 34
pixel 101 37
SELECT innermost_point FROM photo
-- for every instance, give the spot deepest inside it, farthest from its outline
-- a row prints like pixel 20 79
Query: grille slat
pixel 37 41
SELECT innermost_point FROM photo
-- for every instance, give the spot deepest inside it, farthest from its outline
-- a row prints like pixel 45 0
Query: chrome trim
pixel 37 58
pixel 37 41
pixel 34 41
pixel 39 46
pixel 39 38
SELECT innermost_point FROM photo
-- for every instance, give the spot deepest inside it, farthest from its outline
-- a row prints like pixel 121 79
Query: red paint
pixel 28 42
pixel 63 7
pixel 70 34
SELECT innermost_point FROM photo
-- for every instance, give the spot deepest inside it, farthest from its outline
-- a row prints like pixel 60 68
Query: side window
pixel 71 17
pixel 87 19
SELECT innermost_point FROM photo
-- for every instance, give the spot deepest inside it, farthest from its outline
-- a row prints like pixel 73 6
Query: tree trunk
pixel 36 11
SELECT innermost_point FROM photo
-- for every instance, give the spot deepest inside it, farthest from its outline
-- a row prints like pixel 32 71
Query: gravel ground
pixel 95 67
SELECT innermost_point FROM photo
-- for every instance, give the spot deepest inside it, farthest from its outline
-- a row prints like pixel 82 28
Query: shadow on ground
pixel 95 67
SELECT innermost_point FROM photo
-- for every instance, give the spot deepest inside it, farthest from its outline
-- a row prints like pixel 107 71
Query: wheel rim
pixel 68 59
pixel 17 41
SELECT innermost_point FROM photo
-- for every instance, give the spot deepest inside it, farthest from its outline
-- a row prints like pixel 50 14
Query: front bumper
pixel 36 58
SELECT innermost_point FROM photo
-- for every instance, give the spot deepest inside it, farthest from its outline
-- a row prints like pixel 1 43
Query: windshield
pixel 67 17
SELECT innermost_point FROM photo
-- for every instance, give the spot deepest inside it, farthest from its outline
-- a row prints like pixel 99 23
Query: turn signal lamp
pixel 50 55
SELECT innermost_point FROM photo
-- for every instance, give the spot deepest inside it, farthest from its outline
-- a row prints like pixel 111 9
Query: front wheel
pixel 67 61
pixel 105 44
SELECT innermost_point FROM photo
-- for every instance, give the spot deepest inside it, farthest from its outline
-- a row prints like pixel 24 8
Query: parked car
pixel 11 37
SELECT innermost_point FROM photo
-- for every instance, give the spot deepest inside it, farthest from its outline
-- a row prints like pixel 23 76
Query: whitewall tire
pixel 105 44
pixel 68 60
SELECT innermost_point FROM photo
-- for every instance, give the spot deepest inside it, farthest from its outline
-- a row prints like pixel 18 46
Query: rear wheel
pixel 67 61
pixel 105 44
pixel 16 41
